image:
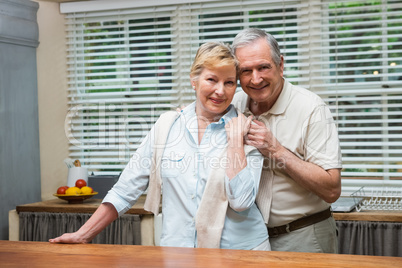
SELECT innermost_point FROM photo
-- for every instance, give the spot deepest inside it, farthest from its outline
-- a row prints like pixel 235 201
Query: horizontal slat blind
pixel 122 76
pixel 357 69
pixel 126 66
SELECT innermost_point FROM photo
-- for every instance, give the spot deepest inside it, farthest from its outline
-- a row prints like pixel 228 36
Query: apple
pixel 62 190
pixel 80 183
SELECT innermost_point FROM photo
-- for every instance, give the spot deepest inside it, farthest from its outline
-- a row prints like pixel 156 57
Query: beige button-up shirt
pixel 301 122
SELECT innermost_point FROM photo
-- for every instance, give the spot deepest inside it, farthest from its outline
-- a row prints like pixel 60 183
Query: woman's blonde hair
pixel 212 55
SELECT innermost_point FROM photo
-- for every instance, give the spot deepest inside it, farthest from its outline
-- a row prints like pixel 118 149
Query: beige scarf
pixel 161 129
pixel 211 213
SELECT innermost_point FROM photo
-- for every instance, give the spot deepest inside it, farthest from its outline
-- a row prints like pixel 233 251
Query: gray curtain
pixel 41 226
pixel 370 238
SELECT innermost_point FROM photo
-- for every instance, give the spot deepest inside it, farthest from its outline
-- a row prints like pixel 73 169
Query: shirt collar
pixel 282 101
pixel 191 123
pixel 231 112
pixel 280 105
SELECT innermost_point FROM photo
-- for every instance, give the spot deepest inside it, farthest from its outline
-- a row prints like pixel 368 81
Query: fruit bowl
pixel 75 199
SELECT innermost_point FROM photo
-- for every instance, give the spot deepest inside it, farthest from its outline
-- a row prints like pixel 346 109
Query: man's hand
pixel 263 139
pixel 181 108
pixel 324 183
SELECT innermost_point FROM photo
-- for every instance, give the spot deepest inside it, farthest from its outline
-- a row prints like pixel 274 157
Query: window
pixel 358 72
pixel 121 78
pixel 129 64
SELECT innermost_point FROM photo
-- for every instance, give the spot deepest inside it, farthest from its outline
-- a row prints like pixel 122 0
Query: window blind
pixel 121 78
pixel 357 69
pixel 127 66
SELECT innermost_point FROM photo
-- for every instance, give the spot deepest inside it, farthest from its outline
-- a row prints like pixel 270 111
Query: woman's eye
pixel 230 83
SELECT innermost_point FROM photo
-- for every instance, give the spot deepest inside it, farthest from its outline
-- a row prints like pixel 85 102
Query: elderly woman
pixel 210 178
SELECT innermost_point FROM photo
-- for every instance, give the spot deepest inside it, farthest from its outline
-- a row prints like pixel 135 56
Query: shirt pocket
pixel 172 164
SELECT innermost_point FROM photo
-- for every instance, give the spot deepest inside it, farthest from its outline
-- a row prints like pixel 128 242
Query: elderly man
pixel 295 131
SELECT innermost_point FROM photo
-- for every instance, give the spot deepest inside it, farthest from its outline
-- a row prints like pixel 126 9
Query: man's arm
pixel 324 183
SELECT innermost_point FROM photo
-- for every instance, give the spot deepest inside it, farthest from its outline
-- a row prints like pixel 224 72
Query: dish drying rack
pixel 378 198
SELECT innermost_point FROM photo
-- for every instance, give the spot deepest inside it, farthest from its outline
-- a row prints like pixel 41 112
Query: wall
pixel 52 97
pixel 19 133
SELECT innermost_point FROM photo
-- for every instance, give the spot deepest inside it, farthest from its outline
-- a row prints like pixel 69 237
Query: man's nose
pixel 256 77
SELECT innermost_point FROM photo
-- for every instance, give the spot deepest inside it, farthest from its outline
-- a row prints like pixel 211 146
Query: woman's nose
pixel 219 90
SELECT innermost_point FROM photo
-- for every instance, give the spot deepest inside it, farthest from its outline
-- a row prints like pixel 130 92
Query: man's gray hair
pixel 250 35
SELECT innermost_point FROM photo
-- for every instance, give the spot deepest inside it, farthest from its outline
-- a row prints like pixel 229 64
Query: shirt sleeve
pixel 133 180
pixel 321 142
pixel 242 190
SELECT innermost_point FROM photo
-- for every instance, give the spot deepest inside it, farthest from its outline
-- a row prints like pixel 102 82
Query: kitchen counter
pixel 88 206
pixel 151 226
pixel 44 254
pixel 383 216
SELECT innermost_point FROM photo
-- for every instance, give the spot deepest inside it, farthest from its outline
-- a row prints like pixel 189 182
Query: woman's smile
pixel 217 101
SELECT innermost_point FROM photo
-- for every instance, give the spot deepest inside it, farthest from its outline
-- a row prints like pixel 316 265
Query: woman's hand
pixel 105 214
pixel 69 238
pixel 237 128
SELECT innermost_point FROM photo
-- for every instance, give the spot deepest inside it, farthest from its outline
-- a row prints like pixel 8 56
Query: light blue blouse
pixel 185 167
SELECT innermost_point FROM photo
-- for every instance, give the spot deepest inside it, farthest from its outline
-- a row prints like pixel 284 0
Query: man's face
pixel 259 77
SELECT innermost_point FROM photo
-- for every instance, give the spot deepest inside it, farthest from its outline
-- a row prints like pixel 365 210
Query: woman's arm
pixel 236 129
pixel 242 190
pixel 243 171
pixel 103 216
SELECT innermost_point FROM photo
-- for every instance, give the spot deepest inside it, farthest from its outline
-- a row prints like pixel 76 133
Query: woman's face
pixel 215 89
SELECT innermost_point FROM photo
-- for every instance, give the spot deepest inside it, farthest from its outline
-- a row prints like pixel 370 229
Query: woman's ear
pixel 192 82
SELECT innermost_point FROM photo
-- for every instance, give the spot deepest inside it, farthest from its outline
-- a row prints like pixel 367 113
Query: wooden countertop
pixel 384 216
pixel 88 206
pixel 44 254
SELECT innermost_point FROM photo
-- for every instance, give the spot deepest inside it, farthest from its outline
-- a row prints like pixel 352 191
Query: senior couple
pixel 264 163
